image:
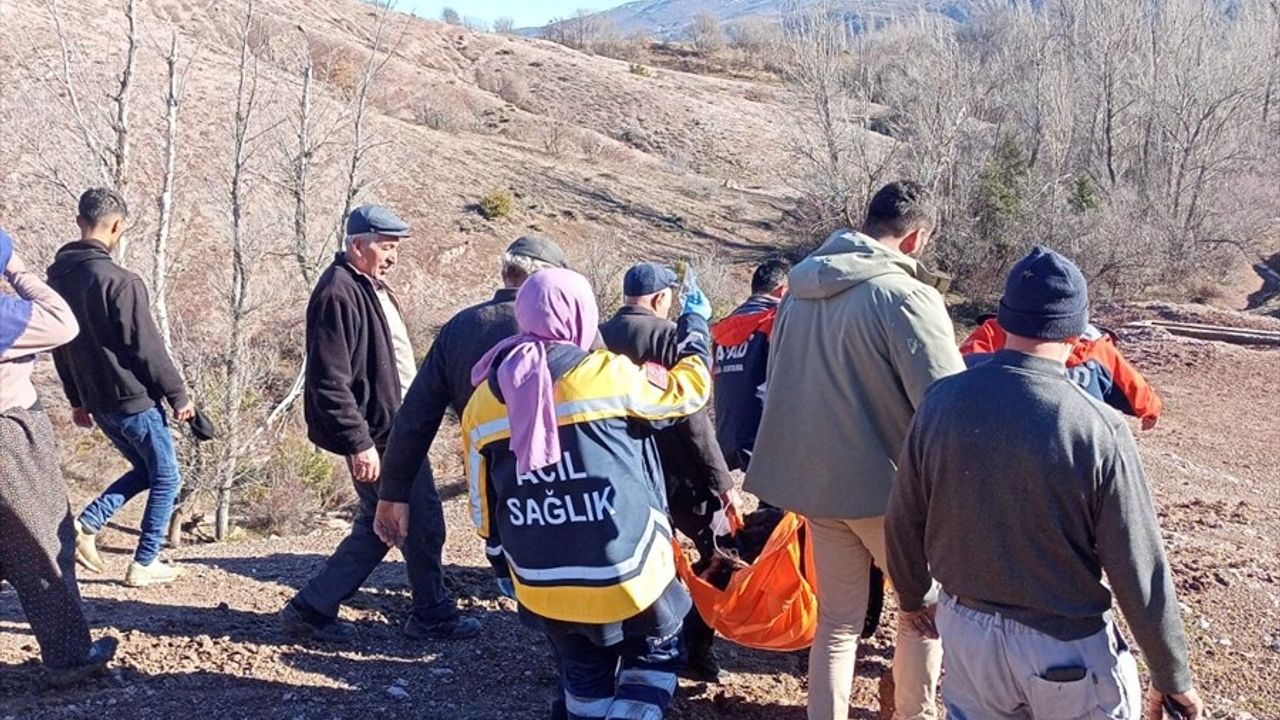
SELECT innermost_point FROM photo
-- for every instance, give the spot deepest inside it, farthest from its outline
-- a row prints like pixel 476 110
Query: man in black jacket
pixel 359 362
pixel 444 383
pixel 117 374
pixel 698 481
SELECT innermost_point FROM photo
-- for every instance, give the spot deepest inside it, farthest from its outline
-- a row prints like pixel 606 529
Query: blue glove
pixel 506 587
pixel 696 303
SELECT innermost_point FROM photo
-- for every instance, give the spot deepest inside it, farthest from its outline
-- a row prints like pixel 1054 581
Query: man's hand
pixel 696 303
pixel 391 522
pixel 920 620
pixel 82 418
pixel 186 413
pixel 1191 705
pixel 366 467
pixel 1149 423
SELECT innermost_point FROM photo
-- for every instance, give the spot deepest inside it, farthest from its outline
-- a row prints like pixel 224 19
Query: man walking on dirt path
pixel 116 374
pixel 359 363
pixel 444 383
pixel 698 482
pixel 37 533
pixel 1017 490
pixel 741 359
pixel 860 336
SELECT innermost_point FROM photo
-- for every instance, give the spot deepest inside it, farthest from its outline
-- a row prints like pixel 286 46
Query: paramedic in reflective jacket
pixel 567 489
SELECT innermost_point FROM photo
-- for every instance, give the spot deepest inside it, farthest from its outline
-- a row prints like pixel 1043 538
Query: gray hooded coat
pixel 860 337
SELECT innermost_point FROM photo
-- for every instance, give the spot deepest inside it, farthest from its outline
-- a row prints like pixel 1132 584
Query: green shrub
pixel 496 204
pixel 638 69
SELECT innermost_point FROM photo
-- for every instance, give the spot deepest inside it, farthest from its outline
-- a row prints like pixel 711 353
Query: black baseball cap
pixel 647 279
pixel 376 219
pixel 537 247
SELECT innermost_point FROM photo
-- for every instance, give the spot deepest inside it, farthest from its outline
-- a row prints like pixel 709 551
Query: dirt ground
pixel 211 644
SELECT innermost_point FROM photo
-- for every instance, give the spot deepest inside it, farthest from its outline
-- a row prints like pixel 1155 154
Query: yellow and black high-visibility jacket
pixel 586 540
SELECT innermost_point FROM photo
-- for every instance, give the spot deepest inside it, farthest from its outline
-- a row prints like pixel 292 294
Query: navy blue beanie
pixel 1045 297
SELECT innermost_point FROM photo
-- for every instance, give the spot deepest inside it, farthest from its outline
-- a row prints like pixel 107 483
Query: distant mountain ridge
pixel 670 19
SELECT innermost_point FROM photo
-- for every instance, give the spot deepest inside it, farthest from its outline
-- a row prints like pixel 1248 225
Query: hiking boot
pixel 87 550
pixel 157 573
pixel 454 628
pixel 95 663
pixel 330 631
pixel 703 667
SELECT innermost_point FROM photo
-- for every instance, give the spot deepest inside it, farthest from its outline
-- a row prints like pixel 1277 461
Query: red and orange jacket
pixel 1095 364
pixel 741 358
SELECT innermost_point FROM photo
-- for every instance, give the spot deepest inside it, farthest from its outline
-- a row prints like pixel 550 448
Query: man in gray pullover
pixel 1017 491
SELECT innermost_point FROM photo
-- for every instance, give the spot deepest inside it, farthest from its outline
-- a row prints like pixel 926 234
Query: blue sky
pixel 525 12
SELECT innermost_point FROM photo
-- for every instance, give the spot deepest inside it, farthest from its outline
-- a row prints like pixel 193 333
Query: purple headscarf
pixel 553 306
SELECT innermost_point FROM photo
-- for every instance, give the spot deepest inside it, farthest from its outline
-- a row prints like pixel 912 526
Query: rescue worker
pixel 566 489
pixel 1096 365
pixel 697 480
pixel 741 357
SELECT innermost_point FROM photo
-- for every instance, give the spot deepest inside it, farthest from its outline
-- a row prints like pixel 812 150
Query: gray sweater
pixel 1017 491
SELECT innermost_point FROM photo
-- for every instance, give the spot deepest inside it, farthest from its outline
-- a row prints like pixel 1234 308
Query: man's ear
pixel 912 243
pixel 117 226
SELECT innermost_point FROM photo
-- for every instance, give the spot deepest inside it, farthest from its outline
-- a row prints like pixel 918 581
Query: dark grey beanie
pixel 1045 297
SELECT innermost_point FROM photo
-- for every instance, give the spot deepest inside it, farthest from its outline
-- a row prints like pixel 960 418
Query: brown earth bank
pixel 210 644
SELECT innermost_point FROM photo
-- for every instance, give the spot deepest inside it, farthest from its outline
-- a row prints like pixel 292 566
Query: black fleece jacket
pixel 694 467
pixel 443 383
pixel 118 363
pixel 352 387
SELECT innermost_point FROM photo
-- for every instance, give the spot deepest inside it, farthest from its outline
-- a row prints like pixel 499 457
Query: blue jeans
pixel 144 440
pixel 635 678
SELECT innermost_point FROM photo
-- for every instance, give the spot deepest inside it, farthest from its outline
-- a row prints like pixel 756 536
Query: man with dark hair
pixel 860 336
pixel 697 480
pixel 443 383
pixel 116 374
pixel 1017 490
pixel 359 365
pixel 741 357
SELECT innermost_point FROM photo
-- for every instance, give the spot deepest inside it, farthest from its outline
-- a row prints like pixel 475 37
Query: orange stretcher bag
pixel 771 604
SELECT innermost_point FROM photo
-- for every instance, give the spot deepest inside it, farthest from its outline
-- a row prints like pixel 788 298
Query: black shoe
pixel 455 628
pixel 703 667
pixel 95 663
pixel 333 631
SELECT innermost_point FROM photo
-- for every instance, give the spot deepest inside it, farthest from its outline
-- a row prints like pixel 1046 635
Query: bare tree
pixel 160 246
pixel 112 156
pixel 504 26
pixel 361 144
pixel 449 16
pixel 705 33
pixel 234 358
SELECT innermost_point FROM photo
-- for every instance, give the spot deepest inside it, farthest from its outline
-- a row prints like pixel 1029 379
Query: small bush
pixel 497 204
pixel 641 70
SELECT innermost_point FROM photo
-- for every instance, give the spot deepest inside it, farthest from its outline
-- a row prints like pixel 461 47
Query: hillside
pixel 593 154
pixel 670 19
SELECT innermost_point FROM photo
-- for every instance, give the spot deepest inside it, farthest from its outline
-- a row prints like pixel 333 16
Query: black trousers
pixel 37 537
pixel 362 551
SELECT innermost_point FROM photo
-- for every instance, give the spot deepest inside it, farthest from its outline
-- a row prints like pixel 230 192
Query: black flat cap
pixel 537 247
